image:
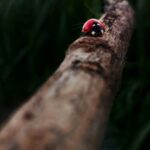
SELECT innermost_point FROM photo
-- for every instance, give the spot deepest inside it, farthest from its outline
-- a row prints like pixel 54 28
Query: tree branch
pixel 70 111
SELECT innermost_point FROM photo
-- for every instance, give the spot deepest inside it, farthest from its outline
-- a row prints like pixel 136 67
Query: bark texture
pixel 69 112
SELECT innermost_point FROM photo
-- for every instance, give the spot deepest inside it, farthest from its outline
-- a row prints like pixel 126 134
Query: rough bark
pixel 70 110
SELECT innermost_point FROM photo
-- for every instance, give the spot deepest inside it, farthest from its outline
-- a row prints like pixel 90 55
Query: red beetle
pixel 93 27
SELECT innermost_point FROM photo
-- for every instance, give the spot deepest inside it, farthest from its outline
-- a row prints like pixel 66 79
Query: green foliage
pixel 33 37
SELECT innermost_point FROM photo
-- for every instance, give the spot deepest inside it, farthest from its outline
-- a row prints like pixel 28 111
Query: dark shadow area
pixel 33 38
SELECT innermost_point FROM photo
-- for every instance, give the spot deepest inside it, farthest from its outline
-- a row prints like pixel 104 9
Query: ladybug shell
pixel 87 27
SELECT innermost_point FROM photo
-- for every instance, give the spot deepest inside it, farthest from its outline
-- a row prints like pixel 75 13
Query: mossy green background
pixel 34 35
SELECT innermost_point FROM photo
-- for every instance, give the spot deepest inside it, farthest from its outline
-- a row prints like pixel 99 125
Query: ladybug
pixel 93 27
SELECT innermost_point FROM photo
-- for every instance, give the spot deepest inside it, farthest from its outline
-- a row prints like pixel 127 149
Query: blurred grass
pixel 33 38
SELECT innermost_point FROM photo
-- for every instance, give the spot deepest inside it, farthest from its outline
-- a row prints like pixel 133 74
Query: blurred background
pixel 34 35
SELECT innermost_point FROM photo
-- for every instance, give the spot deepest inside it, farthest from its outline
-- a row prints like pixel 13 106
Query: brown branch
pixel 71 109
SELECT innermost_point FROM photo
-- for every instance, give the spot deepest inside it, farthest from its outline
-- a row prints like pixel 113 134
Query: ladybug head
pixel 93 27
